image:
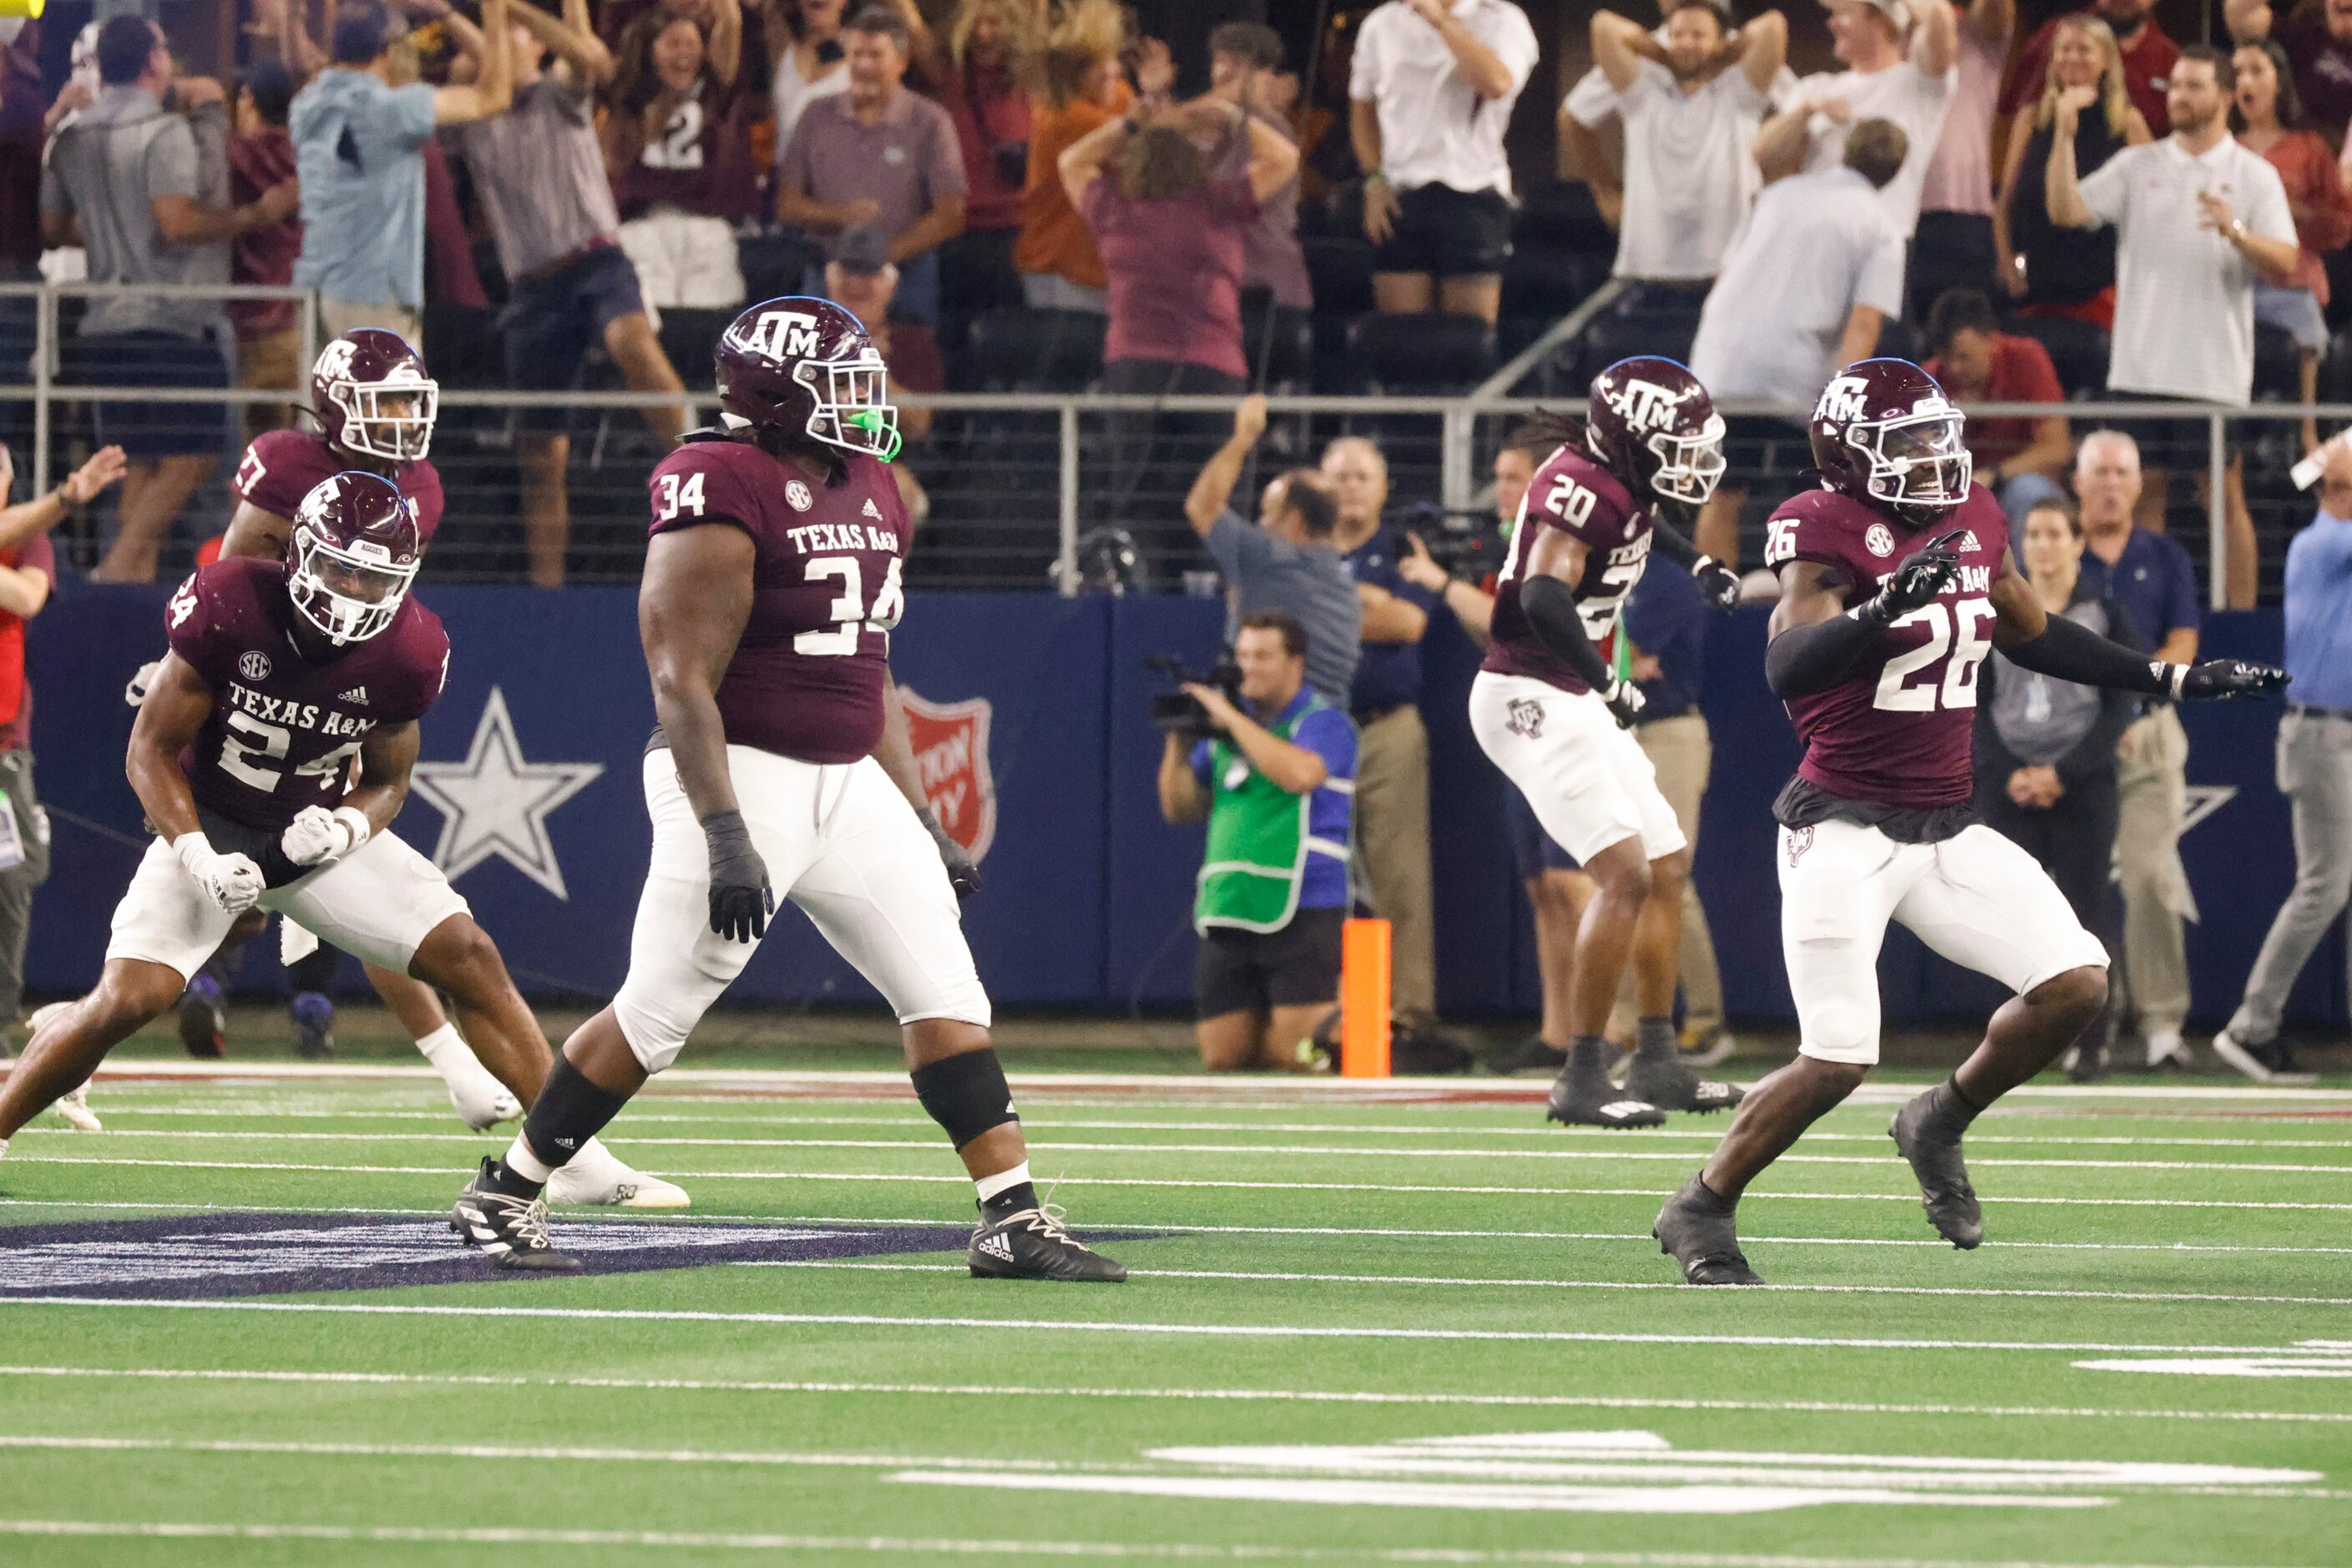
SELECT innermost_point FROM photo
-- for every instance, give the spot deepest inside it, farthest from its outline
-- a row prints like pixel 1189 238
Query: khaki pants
pixel 1682 752
pixel 1393 834
pixel 272 362
pixel 2152 791
pixel 337 316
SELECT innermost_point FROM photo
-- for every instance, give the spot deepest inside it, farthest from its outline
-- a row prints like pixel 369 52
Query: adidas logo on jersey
pixel 356 694
pixel 872 511
pixel 1968 541
pixel 995 1246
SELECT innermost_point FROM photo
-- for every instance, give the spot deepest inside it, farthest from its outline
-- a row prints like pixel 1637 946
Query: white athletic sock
pixel 1003 1182
pixel 443 1044
pixel 526 1164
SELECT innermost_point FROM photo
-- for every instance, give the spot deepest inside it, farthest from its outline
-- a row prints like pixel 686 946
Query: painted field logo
pixel 1614 1472
pixel 950 745
pixel 221 1254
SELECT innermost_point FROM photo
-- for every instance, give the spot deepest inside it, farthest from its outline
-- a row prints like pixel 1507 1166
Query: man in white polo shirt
pixel 1804 290
pixel 2198 217
pixel 1431 88
pixel 1691 107
pixel 1901 60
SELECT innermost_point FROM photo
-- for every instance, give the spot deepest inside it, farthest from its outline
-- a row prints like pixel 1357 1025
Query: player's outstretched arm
pixel 2065 651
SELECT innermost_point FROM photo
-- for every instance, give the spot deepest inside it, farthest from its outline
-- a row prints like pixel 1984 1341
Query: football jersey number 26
pixel 1959 638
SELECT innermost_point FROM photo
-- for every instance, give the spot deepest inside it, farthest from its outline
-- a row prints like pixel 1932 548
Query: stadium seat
pixel 2078 350
pixel 1017 348
pixel 1428 354
pixel 2276 372
pixel 1339 267
pixel 1560 214
pixel 1621 331
pixel 1283 341
pixel 1547 280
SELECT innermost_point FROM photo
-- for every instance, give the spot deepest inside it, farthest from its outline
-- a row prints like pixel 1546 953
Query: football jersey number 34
pixel 849 612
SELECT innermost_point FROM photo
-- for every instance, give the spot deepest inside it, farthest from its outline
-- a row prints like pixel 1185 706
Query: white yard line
pixel 590 1217
pixel 941 1546
pixel 1258 1187
pixel 1461 1281
pixel 1041 1146
pixel 1221 1395
pixel 1085 1326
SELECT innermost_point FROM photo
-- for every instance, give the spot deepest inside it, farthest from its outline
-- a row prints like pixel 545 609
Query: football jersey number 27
pixel 849 612
pixel 1972 620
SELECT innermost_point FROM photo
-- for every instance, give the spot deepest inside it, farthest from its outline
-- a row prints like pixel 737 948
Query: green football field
pixel 1402 1323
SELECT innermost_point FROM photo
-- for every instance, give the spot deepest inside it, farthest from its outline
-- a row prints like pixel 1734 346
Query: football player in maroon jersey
pixel 1896 582
pixel 781 761
pixel 1554 716
pixel 375 406
pixel 281 676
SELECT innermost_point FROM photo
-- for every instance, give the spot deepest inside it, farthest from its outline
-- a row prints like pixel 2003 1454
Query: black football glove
pixel 741 901
pixel 2218 679
pixel 1717 584
pixel 962 875
pixel 1918 578
pixel 1624 700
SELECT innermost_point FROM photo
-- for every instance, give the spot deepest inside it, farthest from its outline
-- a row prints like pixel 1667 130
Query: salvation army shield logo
pixel 950 745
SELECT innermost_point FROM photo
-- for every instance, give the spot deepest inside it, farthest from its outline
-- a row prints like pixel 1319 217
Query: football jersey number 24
pixel 1958 638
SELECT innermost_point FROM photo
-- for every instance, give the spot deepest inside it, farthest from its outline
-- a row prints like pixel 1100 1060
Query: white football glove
pixel 232 882
pixel 319 837
pixel 136 693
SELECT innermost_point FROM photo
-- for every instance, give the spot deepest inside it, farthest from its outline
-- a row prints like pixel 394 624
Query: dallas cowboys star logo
pixel 494 803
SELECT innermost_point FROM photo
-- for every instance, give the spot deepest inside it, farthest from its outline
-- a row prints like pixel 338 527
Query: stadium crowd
pixel 1042 194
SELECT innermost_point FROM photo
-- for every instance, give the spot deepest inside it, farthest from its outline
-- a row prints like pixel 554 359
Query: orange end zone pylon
pixel 1364 999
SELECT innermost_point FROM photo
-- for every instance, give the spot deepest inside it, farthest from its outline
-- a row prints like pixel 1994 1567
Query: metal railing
pixel 1018 478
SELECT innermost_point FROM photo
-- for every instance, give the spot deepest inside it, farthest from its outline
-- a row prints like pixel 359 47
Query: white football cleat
pixel 2166 1048
pixel 596 1175
pixel 480 1101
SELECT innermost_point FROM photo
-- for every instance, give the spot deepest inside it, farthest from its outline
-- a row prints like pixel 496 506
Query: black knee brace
pixel 966 1094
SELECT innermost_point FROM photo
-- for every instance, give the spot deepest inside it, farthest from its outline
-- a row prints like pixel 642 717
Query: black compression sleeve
pixel 1804 659
pixel 1668 542
pixel 1550 605
pixel 2067 650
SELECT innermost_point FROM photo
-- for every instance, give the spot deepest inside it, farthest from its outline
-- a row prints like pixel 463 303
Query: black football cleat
pixel 1667 1083
pixel 1696 1231
pixel 513 1230
pixel 1928 1142
pixel 1032 1245
pixel 1582 1096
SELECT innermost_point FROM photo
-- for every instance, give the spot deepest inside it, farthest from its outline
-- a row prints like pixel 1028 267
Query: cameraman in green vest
pixel 1275 779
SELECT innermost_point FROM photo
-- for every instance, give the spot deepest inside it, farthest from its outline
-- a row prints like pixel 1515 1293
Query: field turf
pixel 1412 1329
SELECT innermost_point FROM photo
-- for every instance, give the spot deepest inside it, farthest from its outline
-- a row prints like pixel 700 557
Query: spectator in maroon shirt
pixel 260 157
pixel 2147 59
pixel 2318 36
pixel 2019 459
pixel 1170 229
pixel 974 76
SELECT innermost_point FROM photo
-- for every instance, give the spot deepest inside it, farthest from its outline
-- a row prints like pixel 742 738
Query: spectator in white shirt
pixel 1805 288
pixel 1691 107
pixel 2199 218
pixel 1885 78
pixel 1432 89
pixel 1955 247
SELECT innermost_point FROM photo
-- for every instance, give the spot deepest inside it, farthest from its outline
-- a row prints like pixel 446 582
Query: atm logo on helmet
pixel 784 334
pixel 1646 406
pixel 1843 401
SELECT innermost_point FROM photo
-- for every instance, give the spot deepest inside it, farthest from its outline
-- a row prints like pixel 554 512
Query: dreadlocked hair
pixel 1546 431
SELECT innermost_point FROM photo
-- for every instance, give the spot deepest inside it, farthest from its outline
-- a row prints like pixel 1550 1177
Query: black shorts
pixel 1533 851
pixel 551 324
pixel 2165 443
pixel 1256 971
pixel 154 429
pixel 1447 233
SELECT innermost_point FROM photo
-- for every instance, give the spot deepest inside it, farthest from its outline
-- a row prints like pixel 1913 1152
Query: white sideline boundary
pixel 940 1546
pixel 1273 1090
pixel 931 1146
pixel 1222 1395
pixel 1086 1326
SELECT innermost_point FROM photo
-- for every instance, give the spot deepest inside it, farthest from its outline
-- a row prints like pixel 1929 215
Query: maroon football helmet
pixel 1653 426
pixel 804 367
pixel 1884 432
pixel 351 555
pixel 372 395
